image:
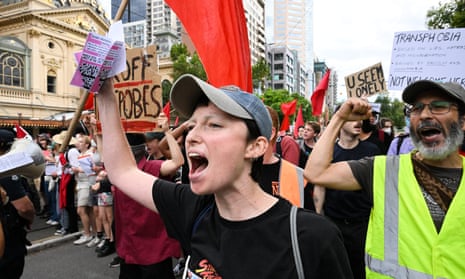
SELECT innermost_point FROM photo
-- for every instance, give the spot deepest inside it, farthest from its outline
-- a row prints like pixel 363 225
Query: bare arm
pixel 319 194
pixel 319 169
pixel 119 160
pixel 178 132
pixel 25 208
pixel 169 167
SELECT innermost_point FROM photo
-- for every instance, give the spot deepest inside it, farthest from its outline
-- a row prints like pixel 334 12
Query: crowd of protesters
pixel 77 193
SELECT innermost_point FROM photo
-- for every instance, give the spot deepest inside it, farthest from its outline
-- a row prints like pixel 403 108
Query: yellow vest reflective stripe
pixel 402 241
pixel 291 183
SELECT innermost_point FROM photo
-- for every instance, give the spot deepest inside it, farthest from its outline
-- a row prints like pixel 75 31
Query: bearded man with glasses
pixel 416 227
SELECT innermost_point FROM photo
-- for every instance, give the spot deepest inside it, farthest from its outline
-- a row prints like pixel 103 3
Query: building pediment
pixel 81 17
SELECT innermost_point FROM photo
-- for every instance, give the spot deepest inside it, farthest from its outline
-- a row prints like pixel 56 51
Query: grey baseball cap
pixel 188 89
pixel 451 89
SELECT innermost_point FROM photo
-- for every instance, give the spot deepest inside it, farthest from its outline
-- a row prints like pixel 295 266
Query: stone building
pixel 38 41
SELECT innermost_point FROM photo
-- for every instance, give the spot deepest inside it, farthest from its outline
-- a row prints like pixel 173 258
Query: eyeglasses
pixel 435 107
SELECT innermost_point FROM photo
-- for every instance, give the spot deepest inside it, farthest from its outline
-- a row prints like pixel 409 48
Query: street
pixel 68 261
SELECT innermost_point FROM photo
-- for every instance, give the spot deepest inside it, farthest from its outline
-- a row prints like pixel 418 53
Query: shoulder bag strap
pixel 295 243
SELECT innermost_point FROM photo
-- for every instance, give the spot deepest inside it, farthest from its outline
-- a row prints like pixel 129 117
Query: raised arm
pixel 119 160
pixel 170 166
pixel 176 133
pixel 319 169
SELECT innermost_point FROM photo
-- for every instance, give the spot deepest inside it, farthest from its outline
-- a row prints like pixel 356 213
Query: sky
pixel 350 36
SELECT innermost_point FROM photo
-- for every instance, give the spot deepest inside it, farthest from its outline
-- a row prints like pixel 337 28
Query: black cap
pixel 451 89
pixel 135 138
pixel 154 135
pixel 7 138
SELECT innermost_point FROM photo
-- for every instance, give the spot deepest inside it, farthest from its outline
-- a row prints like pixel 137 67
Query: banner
pixel 138 90
pixel 430 54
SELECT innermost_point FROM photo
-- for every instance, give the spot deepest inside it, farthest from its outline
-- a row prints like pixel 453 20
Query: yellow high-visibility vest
pixel 402 241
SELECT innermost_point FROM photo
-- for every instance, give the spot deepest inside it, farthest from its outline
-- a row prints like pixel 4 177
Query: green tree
pixel 260 74
pixel 166 88
pixel 392 109
pixel 184 63
pixel 448 15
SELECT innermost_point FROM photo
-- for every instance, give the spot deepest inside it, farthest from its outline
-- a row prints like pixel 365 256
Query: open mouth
pixel 429 132
pixel 198 162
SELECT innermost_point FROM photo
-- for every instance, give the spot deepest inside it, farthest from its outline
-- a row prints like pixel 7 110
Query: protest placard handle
pixel 85 95
pixel 74 121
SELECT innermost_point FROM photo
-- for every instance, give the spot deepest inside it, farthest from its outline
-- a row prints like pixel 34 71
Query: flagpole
pixel 85 95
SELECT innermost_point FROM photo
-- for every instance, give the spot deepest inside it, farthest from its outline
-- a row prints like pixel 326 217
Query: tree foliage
pixel 184 63
pixel 260 73
pixel 448 15
pixel 393 110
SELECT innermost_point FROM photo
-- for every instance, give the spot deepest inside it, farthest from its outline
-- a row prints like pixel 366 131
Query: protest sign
pixel 431 54
pixel 138 90
pixel 366 82
pixel 102 57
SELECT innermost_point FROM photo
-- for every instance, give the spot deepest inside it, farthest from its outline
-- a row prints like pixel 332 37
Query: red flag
pixel 299 121
pixel 287 109
pixel 218 26
pixel 176 122
pixel 318 95
pixel 166 111
pixel 21 133
pixel 89 105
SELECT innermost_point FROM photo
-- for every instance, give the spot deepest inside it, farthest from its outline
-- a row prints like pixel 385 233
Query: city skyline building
pixel 286 70
pixel 290 23
pixel 255 17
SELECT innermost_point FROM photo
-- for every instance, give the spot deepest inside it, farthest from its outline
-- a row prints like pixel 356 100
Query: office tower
pixel 292 25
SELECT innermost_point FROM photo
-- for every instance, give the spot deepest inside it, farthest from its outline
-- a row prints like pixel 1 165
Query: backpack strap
pixel 399 141
pixel 201 215
pixel 295 243
pixel 279 151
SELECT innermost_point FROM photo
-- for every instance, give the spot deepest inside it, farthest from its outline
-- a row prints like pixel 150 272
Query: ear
pixel 256 148
pixel 273 134
pixel 462 121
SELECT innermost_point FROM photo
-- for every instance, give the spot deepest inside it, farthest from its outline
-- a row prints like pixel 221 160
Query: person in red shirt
pixel 287 148
pixel 141 238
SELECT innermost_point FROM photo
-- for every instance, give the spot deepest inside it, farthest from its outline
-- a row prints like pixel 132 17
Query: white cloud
pixel 352 35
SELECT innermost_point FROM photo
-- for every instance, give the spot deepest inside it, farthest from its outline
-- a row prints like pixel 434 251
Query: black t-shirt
pixel 374 138
pixel 350 204
pixel 256 248
pixel 269 177
pixel 105 186
pixel 15 233
pixel 305 151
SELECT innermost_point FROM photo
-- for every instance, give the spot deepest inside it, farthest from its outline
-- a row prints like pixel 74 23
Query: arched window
pixel 11 69
pixel 14 62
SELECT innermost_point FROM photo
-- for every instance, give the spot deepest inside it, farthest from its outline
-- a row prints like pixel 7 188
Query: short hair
pixel 87 140
pixel 274 122
pixel 315 126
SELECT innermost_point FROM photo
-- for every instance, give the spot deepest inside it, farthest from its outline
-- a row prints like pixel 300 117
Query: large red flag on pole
pixel 218 31
pixel 287 110
pixel 299 121
pixel 318 95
